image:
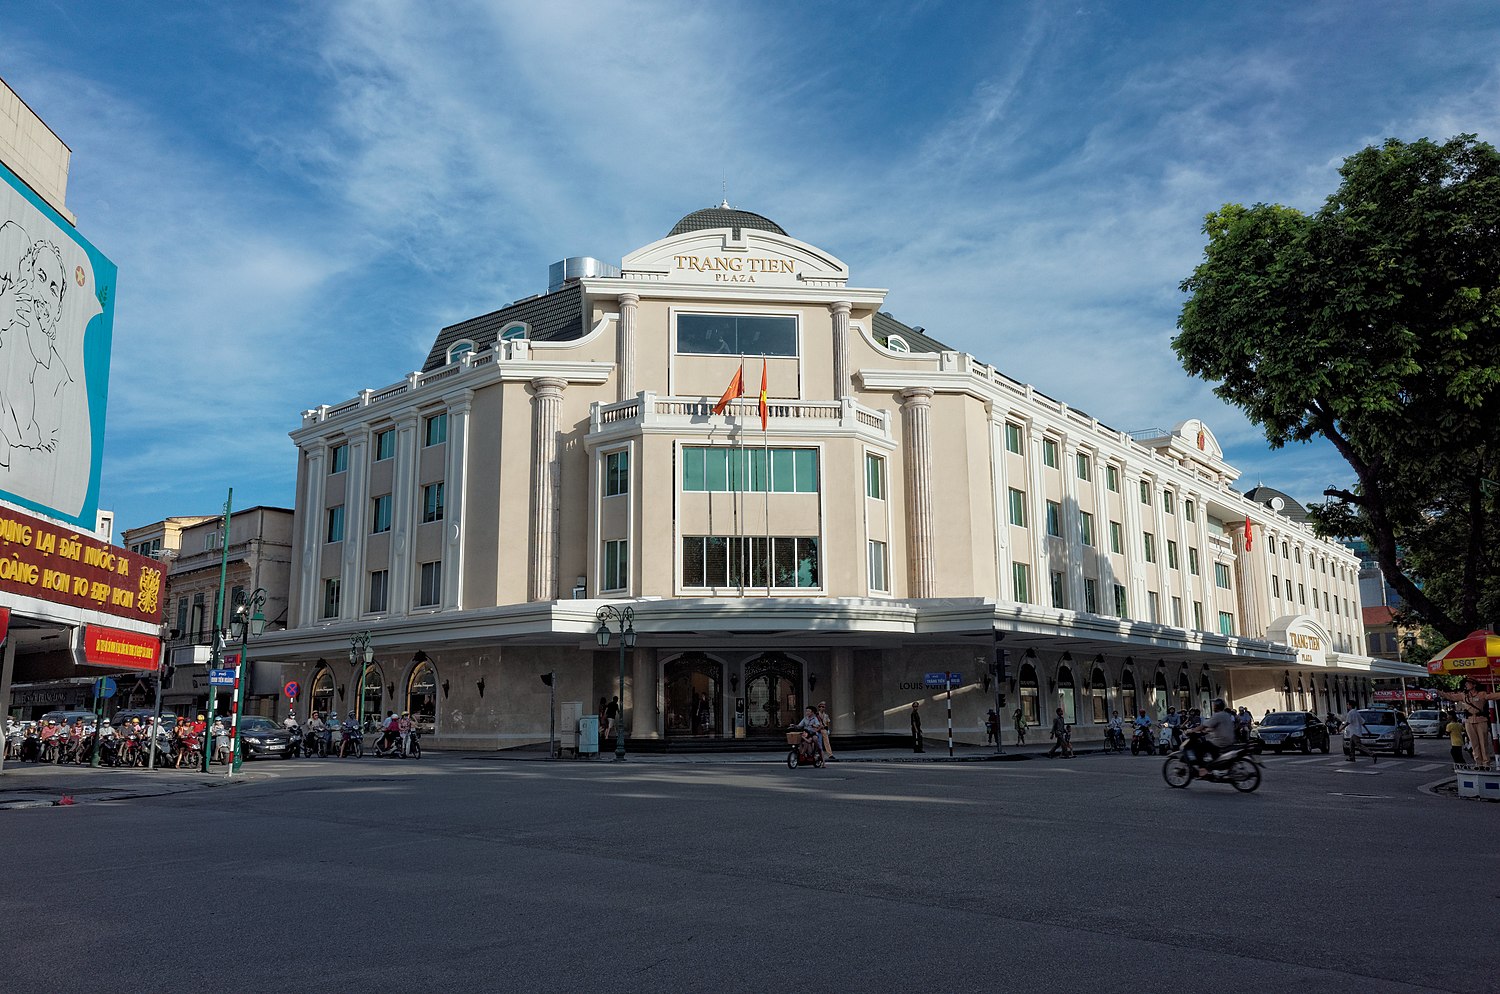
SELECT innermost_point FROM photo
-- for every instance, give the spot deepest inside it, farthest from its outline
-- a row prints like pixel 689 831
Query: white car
pixel 1426 724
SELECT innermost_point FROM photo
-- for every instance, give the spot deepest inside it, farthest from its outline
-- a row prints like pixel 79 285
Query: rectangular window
pixel 1122 604
pixel 874 476
pixel 331 597
pixel 737 334
pixel 1085 471
pixel 182 617
pixel 1149 546
pixel 1059 590
pixel 1153 605
pixel 794 562
pixel 430 584
pixel 718 561
pixel 878 578
pixel 380 514
pixel 616 565
pixel 1177 611
pixel 1054 518
pixel 385 444
pixel 338 458
pixel 336 524
pixel 1325 600
pixel 725 469
pixel 1168 502
pixel 1275 586
pixel 436 430
pixel 1013 438
pixel 1086 528
pixel 432 502
pixel 1020 575
pixel 1091 595
pixel 1221 575
pixel 1146 493
pixel 1171 554
pixel 617 474
pixel 1018 507
pixel 1049 452
pixel 1116 538
pixel 1301 594
pixel 380 590
pixel 1192 560
pixel 1226 623
pixel 1288 590
pixel 1189 510
pixel 1198 615
pixel 1111 479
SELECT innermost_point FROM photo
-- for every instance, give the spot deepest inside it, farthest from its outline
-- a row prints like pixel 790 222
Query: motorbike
pixel 1141 742
pixel 1164 740
pixel 803 752
pixel 295 740
pixel 394 750
pixel 353 744
pixel 1114 740
pixel 1236 766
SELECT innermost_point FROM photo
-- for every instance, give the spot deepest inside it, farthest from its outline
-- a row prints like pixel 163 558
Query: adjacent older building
pixel 863 509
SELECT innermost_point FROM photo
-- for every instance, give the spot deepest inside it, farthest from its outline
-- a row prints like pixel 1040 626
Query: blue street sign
pixel 105 687
pixel 221 678
pixel 943 679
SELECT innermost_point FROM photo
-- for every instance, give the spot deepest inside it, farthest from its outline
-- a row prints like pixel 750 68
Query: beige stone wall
pixel 33 151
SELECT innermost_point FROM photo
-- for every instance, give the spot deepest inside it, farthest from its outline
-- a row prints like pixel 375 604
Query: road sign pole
pixel 156 723
pixel 98 720
pixel 950 715
pixel 218 648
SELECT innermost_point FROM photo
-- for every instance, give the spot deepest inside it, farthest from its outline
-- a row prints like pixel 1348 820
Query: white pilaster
pixel 545 483
pixel 916 440
pixel 839 309
pixel 455 488
pixel 625 346
pixel 403 514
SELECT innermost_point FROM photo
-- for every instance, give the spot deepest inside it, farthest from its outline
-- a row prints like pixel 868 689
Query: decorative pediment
pixel 1198 436
pixel 1300 632
pixel 755 258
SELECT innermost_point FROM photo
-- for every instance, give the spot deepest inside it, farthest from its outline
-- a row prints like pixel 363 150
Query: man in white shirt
pixel 1354 727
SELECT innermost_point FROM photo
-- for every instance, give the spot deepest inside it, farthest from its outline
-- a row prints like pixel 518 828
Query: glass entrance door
pixel 773 689
pixel 694 698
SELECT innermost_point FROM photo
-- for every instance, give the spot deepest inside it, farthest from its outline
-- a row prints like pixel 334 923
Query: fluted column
pixel 625 347
pixel 916 440
pixel 840 311
pixel 456 474
pixel 546 417
pixel 1251 580
pixel 312 536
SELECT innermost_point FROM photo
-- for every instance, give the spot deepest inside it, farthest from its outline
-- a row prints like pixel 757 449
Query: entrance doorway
pixel 773 693
pixel 695 702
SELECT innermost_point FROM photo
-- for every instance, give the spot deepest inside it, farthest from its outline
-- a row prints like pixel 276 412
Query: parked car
pixel 262 738
pixel 1282 730
pixel 122 718
pixel 68 717
pixel 1427 724
pixel 1385 731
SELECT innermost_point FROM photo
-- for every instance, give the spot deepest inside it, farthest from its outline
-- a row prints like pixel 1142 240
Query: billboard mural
pixel 56 322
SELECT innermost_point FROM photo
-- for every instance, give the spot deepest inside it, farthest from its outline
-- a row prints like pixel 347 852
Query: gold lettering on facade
pixel 733 268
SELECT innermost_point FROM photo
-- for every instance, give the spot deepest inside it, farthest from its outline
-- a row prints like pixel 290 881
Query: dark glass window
pixel 736 334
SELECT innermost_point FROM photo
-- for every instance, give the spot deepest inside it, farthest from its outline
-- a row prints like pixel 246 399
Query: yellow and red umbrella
pixel 1478 655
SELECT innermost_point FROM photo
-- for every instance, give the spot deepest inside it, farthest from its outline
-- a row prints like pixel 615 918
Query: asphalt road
pixel 466 873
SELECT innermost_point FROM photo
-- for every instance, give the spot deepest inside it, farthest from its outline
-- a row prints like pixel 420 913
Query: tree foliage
pixel 1375 323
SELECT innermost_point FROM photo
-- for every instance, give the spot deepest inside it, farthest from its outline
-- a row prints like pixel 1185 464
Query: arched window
pixel 1067 696
pixel 1031 710
pixel 1286 693
pixel 1184 692
pixel 514 333
pixel 1161 693
pixel 897 344
pixel 1098 693
pixel 458 349
pixel 1301 696
pixel 1127 694
pixel 374 693
pixel 1205 692
pixel 320 695
pixel 421 696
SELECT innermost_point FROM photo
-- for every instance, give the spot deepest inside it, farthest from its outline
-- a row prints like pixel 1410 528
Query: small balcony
pixel 647 409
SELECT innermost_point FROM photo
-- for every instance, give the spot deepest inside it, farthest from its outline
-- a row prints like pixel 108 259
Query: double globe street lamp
pixel 361 655
pixel 248 620
pixel 624 618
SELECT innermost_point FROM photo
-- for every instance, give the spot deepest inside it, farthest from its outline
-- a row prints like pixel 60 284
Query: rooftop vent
pixel 577 267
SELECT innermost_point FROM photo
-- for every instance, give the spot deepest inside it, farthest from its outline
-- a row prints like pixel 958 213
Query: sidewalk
pixel 936 752
pixel 34 785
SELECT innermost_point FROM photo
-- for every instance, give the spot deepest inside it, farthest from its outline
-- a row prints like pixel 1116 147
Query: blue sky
pixel 299 196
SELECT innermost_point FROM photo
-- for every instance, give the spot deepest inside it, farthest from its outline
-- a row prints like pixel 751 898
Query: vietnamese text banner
pixel 124 650
pixel 42 560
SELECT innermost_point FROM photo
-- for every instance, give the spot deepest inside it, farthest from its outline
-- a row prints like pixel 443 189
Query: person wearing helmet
pixel 1217 734
pixel 348 735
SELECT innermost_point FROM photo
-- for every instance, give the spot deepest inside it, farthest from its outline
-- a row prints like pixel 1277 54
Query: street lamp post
pixel 362 655
pixel 624 618
pixel 248 621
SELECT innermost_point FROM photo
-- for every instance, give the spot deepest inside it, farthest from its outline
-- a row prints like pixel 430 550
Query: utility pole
pixel 217 656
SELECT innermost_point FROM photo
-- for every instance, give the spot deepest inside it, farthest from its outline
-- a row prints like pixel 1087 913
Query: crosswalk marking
pixel 1428 766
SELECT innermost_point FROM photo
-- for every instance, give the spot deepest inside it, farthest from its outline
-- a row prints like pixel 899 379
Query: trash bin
pixel 587 736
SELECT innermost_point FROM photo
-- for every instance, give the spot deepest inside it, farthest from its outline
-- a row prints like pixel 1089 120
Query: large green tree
pixel 1375 323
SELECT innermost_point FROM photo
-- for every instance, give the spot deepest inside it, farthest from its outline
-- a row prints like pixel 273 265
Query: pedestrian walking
pixel 612 714
pixel 1455 730
pixel 1354 727
pixel 827 732
pixel 1062 737
pixel 916 727
pixel 991 727
pixel 1020 720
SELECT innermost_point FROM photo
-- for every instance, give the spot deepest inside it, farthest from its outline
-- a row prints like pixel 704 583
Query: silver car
pixel 1385 731
pixel 1426 724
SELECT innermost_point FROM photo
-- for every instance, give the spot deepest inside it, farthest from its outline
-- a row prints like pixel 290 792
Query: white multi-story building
pixel 900 509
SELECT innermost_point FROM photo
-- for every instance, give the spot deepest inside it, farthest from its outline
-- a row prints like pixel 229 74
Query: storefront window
pixel 1030 696
pixel 1098 692
pixel 1184 692
pixel 374 687
pixel 1128 705
pixel 321 695
pixel 1161 694
pixel 1067 697
pixel 421 697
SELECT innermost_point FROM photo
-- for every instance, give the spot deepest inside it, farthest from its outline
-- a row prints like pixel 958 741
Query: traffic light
pixel 1001 666
pixel 547 679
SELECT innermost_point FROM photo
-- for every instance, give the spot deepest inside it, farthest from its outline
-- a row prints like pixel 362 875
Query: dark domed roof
pixel 1289 508
pixel 723 216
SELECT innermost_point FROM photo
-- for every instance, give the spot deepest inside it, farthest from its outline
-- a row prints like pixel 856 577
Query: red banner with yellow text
pixel 119 649
pixel 45 561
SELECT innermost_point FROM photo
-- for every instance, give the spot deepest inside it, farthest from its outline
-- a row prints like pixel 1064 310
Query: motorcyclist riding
pixel 1116 730
pixel 1211 738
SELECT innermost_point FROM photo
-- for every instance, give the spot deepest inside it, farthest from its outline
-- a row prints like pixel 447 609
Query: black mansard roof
pixel 550 317
pixel 724 216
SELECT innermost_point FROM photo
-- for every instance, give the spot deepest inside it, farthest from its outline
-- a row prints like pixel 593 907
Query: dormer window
pixel 897 344
pixel 515 333
pixel 458 349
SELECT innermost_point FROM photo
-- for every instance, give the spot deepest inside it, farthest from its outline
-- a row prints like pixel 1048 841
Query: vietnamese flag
pixel 765 412
pixel 735 390
pixel 1249 534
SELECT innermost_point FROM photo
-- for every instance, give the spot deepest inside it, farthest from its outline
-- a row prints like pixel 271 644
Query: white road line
pixel 1428 766
pixel 1315 759
pixel 1362 773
